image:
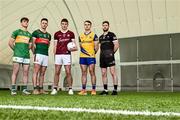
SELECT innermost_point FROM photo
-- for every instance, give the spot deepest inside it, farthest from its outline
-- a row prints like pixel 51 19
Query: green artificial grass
pixel 133 101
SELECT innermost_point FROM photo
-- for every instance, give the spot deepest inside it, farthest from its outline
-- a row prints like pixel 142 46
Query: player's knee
pixel 68 73
pixel 57 72
pixel 84 72
pixel 42 73
pixel 113 73
pixel 25 72
pixel 15 72
pixel 104 73
pixel 91 72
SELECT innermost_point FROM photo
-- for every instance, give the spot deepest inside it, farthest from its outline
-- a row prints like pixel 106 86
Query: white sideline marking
pixel 121 112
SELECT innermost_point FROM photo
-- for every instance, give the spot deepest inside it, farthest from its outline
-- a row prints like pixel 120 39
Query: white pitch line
pixel 120 112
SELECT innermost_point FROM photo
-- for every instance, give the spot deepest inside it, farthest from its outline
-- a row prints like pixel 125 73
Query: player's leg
pixel 58 66
pixel 83 76
pixel 16 67
pixel 115 79
pixel 56 79
pixel 25 78
pixel 36 70
pixel 105 81
pixel 41 80
pixel 42 74
pixel 103 66
pixel 69 78
pixel 93 78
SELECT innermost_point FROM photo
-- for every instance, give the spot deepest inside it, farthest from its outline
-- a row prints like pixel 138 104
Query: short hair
pixel 64 20
pixel 88 21
pixel 24 19
pixel 105 22
pixel 44 19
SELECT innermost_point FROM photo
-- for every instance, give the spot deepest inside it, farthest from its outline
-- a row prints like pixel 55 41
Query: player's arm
pixel 55 46
pixel 49 41
pixel 30 45
pixel 96 44
pixel 30 42
pixel 116 43
pixel 55 43
pixel 11 43
pixel 96 47
pixel 80 42
pixel 33 45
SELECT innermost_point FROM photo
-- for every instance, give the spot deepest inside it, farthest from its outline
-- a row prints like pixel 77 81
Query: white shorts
pixel 41 59
pixel 21 60
pixel 63 59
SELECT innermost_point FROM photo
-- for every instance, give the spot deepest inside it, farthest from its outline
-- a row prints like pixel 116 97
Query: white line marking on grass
pixel 120 112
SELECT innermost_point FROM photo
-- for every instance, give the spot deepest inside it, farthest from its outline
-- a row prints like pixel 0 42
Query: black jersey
pixel 107 40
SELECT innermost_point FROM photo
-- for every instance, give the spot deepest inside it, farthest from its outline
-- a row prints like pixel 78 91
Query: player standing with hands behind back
pixel 21 42
pixel 108 47
pixel 40 49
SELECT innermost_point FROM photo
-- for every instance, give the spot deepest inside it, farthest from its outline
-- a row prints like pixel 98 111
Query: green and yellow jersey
pixel 22 40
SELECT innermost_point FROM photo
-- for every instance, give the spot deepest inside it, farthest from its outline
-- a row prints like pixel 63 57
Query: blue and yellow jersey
pixel 87 45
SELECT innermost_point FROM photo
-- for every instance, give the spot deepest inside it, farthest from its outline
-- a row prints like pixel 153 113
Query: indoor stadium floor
pixel 125 106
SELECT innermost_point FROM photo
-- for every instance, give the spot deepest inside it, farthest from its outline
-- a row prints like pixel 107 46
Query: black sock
pixel 94 86
pixel 105 86
pixel 40 88
pixel 115 87
pixel 37 87
pixel 83 86
pixel 55 88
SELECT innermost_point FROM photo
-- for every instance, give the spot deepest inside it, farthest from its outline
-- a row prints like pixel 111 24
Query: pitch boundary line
pixel 102 111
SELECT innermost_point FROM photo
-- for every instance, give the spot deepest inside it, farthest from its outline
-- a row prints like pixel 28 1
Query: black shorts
pixel 107 59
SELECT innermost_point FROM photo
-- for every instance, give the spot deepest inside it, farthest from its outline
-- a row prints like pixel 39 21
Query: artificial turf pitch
pixel 132 101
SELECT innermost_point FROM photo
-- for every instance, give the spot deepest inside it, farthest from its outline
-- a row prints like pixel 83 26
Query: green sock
pixel 13 87
pixel 24 87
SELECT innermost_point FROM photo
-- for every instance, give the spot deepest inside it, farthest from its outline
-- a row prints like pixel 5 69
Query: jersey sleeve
pixel 95 37
pixel 73 36
pixel 34 34
pixel 100 39
pixel 114 37
pixel 49 37
pixel 14 34
pixel 55 36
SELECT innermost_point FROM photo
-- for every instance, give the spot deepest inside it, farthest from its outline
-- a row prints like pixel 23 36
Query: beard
pixel 105 30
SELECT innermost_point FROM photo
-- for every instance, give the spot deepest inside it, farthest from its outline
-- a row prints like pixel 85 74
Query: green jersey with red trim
pixel 42 41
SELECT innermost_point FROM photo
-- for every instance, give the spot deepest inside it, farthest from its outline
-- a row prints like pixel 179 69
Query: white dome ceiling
pixel 127 17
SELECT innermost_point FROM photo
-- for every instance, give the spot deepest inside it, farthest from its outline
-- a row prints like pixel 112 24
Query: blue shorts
pixel 87 61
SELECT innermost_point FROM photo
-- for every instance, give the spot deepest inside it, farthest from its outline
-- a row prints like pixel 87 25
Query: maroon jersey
pixel 62 40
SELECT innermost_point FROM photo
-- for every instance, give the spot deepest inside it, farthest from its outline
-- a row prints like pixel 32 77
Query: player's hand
pixel 73 49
